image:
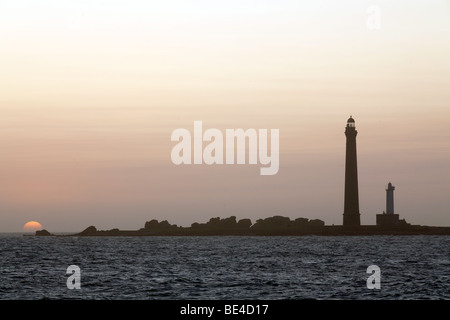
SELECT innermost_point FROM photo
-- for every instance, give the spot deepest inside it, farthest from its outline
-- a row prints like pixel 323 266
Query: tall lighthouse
pixel 351 198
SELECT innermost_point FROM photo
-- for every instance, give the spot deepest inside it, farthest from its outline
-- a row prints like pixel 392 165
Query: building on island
pixel 388 218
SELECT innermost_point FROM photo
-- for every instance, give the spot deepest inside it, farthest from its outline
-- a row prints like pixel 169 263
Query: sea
pixel 225 267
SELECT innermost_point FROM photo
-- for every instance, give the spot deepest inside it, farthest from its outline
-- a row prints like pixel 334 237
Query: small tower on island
pixel 351 198
pixel 388 218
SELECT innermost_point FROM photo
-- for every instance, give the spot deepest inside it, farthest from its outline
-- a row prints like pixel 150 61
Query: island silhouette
pixel 270 226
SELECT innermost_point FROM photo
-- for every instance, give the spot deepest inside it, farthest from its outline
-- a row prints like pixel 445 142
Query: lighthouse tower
pixel 390 199
pixel 351 198
pixel 389 218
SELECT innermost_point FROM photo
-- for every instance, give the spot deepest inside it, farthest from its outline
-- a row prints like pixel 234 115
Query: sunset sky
pixel 90 92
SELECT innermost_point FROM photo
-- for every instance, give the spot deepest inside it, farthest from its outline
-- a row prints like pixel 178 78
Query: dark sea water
pixel 305 267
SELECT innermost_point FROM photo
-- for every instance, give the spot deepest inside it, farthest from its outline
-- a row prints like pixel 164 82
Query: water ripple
pixel 310 267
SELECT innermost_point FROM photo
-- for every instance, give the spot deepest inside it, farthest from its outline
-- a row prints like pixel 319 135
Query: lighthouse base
pixel 389 220
pixel 352 220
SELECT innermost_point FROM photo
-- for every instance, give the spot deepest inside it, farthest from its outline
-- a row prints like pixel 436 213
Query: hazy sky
pixel 90 92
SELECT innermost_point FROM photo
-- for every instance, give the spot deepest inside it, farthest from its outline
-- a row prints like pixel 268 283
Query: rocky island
pixel 271 226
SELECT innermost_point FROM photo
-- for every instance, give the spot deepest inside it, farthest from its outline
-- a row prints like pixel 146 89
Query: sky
pixel 91 91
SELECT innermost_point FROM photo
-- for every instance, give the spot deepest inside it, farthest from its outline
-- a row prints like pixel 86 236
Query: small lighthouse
pixel 388 218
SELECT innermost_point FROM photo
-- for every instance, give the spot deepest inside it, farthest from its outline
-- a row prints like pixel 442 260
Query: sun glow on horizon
pixel 32 226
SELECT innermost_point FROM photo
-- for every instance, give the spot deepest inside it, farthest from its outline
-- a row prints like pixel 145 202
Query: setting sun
pixel 32 226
